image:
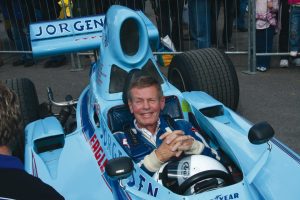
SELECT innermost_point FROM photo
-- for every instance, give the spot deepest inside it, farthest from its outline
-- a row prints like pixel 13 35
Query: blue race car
pixel 76 152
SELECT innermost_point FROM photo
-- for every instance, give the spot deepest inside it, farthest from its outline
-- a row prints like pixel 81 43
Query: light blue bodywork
pixel 77 168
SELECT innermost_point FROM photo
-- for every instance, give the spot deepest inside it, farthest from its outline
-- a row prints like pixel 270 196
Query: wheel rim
pixel 177 80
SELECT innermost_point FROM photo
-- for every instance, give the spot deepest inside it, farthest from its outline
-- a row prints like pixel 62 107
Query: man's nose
pixel 146 105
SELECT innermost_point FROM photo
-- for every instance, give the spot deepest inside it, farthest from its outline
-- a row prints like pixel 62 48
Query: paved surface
pixel 273 96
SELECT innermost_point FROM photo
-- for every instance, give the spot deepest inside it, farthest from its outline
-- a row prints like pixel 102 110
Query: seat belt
pixel 171 122
pixel 131 135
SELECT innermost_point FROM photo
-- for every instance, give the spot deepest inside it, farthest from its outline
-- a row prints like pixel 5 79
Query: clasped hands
pixel 173 144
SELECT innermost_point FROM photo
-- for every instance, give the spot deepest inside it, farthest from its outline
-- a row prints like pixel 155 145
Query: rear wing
pixel 65 36
pixel 75 35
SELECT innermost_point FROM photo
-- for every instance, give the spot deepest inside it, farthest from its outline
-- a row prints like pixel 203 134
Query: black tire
pixel 208 70
pixel 29 103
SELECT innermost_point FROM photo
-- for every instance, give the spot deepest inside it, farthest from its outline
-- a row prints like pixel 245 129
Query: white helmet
pixel 192 174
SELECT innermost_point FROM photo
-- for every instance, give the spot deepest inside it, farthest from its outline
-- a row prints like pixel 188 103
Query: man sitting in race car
pixel 151 139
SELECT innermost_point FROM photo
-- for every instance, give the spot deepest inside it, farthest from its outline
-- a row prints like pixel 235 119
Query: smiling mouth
pixel 147 114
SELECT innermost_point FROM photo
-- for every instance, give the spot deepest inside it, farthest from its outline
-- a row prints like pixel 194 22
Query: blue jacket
pixel 137 146
pixel 15 183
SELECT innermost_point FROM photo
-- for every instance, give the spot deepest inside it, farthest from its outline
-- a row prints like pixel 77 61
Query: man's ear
pixel 162 102
pixel 130 106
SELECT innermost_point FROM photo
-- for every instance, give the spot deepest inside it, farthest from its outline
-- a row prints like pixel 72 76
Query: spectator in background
pixel 90 7
pixel 266 21
pixel 229 15
pixel 46 10
pixel 103 5
pixel 169 20
pixel 1 62
pixel 19 14
pixel 65 9
pixel 295 28
pixel 5 14
pixel 133 4
pixel 200 22
pixel 284 32
pixel 240 22
pixel 51 10
pixel 15 182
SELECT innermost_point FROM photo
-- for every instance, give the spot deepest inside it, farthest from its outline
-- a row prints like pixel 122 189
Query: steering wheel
pixel 206 180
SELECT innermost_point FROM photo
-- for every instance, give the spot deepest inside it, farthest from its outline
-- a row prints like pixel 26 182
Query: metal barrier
pixel 190 24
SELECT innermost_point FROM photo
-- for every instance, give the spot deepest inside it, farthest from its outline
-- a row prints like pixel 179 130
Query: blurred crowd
pixel 193 20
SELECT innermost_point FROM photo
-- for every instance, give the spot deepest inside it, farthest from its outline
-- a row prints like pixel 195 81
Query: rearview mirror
pixel 119 168
pixel 260 133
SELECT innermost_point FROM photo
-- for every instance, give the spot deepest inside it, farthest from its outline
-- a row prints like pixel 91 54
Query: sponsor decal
pixel 185 106
pixel 125 142
pixel 150 190
pixel 185 170
pixel 89 38
pixel 227 197
pixel 111 147
pixel 194 129
pixel 98 152
pixel 143 185
pixel 80 25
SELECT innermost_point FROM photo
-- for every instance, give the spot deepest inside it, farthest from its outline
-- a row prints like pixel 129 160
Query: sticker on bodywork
pixel 185 106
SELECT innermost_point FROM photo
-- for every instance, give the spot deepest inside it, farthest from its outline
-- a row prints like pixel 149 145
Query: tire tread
pixel 208 70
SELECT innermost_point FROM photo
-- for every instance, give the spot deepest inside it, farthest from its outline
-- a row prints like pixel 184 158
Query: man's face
pixel 146 105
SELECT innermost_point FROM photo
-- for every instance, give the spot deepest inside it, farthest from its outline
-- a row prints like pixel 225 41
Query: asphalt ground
pixel 272 96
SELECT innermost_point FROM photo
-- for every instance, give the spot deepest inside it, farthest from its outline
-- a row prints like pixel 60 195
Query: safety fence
pixel 229 25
